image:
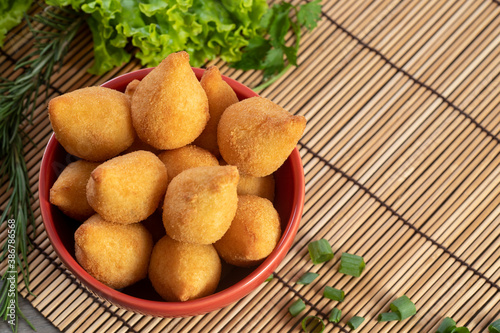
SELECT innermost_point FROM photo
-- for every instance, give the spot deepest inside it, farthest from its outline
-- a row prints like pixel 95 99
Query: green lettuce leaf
pixel 203 28
pixel 106 55
pixel 11 14
pixel 75 4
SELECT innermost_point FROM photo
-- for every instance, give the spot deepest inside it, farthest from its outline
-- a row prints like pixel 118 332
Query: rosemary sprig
pixel 17 103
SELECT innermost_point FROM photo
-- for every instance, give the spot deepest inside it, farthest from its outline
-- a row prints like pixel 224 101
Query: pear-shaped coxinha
pixel 220 96
pixel 92 123
pixel 254 232
pixel 257 135
pixel 201 203
pixel 115 254
pixel 187 157
pixel 69 191
pixel 128 188
pixel 182 271
pixel 169 106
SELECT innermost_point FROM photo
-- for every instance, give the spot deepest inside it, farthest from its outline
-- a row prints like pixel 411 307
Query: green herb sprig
pixel 17 103
pixel 269 54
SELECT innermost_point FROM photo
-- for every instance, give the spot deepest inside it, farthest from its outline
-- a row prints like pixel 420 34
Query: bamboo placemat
pixel 401 157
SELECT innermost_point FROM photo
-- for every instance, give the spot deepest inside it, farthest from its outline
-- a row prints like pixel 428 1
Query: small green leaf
pixel 280 25
pixel 307 278
pixel 273 62
pixel 267 18
pixel 291 54
pixel 309 14
pixel 297 307
pixel 460 330
pixel 252 57
pixel 494 327
pixel 446 326
pixel 354 322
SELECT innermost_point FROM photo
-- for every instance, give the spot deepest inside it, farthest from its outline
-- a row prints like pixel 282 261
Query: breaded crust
pixel 140 145
pixel 187 157
pixel 181 271
pixel 169 106
pixel 220 96
pixel 92 123
pixel 200 204
pixel 260 186
pixel 115 254
pixel 131 87
pixel 257 135
pixel 69 191
pixel 254 232
pixel 127 189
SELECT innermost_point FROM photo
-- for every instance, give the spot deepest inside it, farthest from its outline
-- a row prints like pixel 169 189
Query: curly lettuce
pixel 203 28
pixel 11 14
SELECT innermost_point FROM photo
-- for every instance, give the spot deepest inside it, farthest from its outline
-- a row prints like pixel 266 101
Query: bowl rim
pixel 202 305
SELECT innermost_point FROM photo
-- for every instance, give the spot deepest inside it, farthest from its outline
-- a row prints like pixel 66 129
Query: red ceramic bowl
pixel 141 297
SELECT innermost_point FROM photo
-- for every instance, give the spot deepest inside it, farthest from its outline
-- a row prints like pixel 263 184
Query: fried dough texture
pixel 220 96
pixel 127 189
pixel 254 232
pixel 138 144
pixel 260 186
pixel 93 123
pixel 187 157
pixel 69 191
pixel 115 254
pixel 181 271
pixel 169 106
pixel 200 204
pixel 257 135
pixel 131 87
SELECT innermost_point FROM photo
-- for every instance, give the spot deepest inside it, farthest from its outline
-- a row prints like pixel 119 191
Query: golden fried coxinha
pixel 169 106
pixel 92 123
pixel 220 96
pixel 131 87
pixel 260 186
pixel 182 271
pixel 69 190
pixel 254 232
pixel 128 188
pixel 138 144
pixel 200 204
pixel 187 157
pixel 257 135
pixel 115 254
